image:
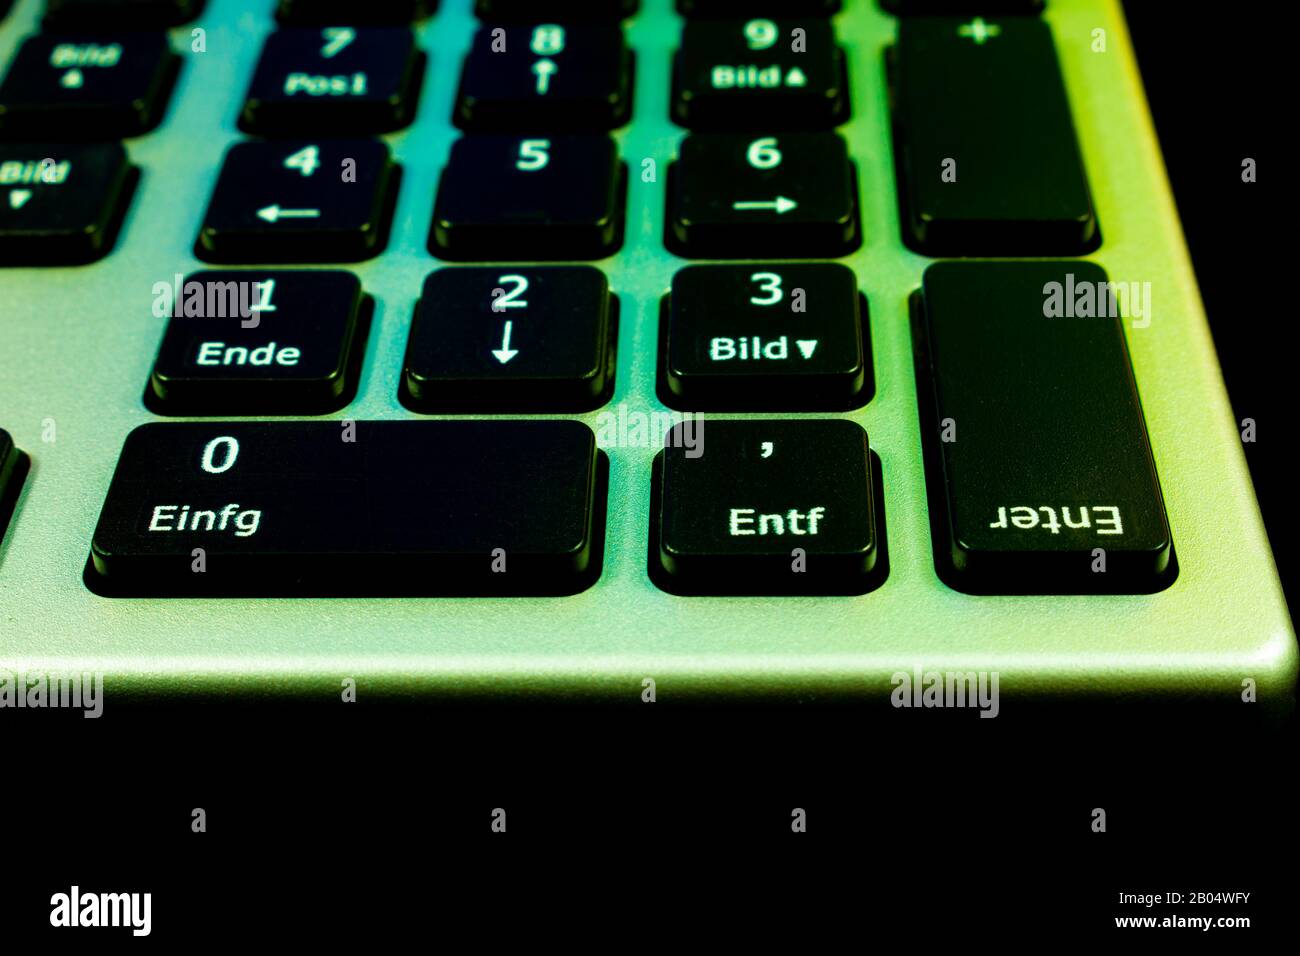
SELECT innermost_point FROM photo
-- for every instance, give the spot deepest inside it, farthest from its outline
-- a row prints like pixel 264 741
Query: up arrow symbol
pixel 796 78
pixel 807 347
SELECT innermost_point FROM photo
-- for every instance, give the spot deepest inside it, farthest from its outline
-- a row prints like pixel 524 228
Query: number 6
pixel 763 153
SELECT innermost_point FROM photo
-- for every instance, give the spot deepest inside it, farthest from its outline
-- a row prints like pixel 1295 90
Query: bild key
pixel 765 337
pixel 353 508
pixel 73 87
pixel 62 204
pixel 1040 474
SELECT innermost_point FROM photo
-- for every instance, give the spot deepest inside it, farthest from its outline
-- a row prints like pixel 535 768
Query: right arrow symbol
pixel 505 353
pixel 807 347
pixel 780 204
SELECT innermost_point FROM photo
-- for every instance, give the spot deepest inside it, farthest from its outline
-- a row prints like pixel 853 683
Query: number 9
pixel 761 34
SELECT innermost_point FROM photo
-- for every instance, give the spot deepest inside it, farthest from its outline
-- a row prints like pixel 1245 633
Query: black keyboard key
pixel 735 74
pixel 337 80
pixel 987 156
pixel 14 466
pixel 119 14
pixel 553 77
pixel 352 508
pixel 739 509
pixel 762 197
pixel 324 201
pixel 521 10
pixel 961 7
pixel 758 8
pixel 531 198
pixel 512 340
pixel 765 337
pixel 1040 473
pixel 62 87
pixel 325 13
pixel 259 343
pixel 62 204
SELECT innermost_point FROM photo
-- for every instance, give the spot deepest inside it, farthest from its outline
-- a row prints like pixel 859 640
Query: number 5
pixel 534 154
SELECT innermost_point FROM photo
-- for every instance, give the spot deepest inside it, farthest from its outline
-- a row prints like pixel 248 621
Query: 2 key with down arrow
pixel 533 339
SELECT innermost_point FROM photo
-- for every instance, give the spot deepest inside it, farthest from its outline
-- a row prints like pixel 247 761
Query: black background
pixel 343 823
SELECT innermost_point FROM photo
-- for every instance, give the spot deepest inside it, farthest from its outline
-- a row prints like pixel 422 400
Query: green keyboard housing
pixel 79 344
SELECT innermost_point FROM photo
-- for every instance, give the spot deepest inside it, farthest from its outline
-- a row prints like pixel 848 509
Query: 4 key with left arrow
pixel 301 201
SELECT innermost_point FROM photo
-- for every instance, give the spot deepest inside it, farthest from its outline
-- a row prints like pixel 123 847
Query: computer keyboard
pixel 535 350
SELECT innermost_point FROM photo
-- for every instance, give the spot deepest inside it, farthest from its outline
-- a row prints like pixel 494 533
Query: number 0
pixel 210 452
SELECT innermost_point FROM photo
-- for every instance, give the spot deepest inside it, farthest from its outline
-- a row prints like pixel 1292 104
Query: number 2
pixel 502 300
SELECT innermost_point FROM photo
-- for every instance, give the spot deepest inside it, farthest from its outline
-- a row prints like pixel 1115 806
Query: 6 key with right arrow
pixel 753 195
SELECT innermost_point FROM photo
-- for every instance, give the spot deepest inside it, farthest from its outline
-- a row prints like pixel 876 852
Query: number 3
pixel 770 283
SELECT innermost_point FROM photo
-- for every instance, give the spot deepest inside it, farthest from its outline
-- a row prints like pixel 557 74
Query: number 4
pixel 306 161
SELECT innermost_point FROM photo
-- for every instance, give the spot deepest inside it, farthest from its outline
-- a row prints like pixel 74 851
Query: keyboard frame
pixel 80 344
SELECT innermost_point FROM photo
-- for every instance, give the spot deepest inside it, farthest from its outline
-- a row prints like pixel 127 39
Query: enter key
pixel 1040 474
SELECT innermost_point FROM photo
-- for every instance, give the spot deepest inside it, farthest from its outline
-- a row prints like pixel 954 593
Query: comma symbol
pixel 767 449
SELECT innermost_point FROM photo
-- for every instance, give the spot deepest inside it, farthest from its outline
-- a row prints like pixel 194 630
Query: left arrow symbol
pixel 275 213
pixel 18 198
